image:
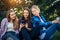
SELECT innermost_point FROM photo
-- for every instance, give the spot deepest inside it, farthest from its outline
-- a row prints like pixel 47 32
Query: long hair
pixel 15 21
pixel 29 16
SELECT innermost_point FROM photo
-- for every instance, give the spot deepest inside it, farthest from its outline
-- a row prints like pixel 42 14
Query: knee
pixel 56 24
pixel 9 38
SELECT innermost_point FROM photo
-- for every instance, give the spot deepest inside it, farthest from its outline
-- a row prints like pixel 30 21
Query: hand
pixel 29 29
pixel 55 21
pixel 26 25
pixel 21 25
pixel 58 19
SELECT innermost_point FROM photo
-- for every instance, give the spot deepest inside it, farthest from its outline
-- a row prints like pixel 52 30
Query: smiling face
pixel 26 13
pixel 35 12
pixel 12 15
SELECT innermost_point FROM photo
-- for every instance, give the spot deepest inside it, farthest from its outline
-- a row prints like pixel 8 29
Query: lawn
pixel 57 35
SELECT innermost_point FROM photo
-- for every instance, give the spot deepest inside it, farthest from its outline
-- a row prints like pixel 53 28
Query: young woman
pixel 9 26
pixel 26 28
pixel 25 24
pixel 38 19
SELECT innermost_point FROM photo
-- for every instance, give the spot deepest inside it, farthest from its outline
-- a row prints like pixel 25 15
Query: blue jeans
pixel 10 35
pixel 51 30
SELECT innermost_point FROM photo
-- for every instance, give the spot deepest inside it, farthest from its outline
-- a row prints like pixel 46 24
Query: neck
pixel 11 20
pixel 26 18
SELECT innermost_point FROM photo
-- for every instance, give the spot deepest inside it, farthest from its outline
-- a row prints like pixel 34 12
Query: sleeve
pixel 33 22
pixel 19 23
pixel 36 20
pixel 2 27
pixel 45 24
pixel 2 24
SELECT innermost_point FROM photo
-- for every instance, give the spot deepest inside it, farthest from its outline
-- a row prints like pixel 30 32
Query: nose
pixel 14 14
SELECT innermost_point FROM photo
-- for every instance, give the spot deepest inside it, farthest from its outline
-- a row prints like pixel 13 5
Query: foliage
pixel 49 8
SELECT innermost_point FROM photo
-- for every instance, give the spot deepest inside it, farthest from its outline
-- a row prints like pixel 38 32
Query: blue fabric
pixel 51 27
pixel 51 30
pixel 11 35
pixel 36 21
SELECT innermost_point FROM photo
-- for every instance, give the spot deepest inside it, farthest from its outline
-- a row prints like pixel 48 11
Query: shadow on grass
pixel 56 36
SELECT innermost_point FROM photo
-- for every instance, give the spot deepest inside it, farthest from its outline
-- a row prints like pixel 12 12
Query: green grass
pixel 57 35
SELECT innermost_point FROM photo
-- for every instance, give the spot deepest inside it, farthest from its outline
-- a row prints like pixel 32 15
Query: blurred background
pixel 49 8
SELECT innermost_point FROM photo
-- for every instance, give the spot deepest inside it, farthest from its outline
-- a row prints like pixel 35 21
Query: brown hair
pixel 29 17
pixel 15 21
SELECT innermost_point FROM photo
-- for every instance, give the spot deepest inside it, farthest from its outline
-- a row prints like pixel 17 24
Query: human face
pixel 12 15
pixel 35 12
pixel 26 13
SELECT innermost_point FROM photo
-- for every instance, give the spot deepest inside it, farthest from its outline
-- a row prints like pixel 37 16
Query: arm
pixel 3 28
pixel 28 26
pixel 2 25
pixel 45 24
pixel 37 21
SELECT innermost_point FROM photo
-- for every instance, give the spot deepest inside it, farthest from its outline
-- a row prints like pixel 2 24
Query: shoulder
pixel 33 16
pixel 36 18
pixel 5 19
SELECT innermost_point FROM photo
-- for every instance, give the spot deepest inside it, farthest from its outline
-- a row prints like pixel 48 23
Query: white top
pixel 10 26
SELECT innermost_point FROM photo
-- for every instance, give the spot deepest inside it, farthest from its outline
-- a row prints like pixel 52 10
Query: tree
pixel 50 8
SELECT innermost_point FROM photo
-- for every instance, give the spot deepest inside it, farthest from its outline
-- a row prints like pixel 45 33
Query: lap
pixel 9 35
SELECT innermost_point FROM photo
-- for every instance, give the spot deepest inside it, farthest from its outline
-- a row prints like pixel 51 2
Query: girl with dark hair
pixel 25 24
pixel 9 26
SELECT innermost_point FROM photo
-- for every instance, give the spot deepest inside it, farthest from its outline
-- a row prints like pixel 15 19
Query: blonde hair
pixel 36 7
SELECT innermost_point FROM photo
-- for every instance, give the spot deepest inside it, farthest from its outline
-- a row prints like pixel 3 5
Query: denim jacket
pixel 36 21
